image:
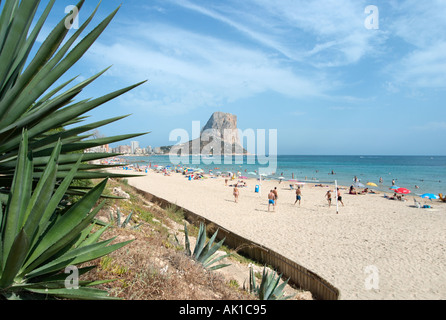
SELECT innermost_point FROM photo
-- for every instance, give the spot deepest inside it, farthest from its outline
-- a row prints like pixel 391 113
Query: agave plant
pixel 32 97
pixel 269 288
pixel 39 240
pixel 204 252
pixel 118 223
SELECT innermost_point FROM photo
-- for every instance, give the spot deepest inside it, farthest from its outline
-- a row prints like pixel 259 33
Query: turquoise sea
pixel 426 172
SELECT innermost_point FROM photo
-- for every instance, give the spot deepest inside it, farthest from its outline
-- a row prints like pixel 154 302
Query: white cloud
pixel 421 27
pixel 190 70
pixel 423 68
pixel 322 33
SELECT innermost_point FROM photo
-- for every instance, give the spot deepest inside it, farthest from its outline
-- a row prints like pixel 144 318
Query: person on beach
pixel 298 195
pixel 340 197
pixel 328 196
pixel 236 194
pixel 276 195
pixel 352 190
pixel 271 198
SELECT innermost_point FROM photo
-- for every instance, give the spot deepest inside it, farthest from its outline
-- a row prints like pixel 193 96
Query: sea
pixel 420 174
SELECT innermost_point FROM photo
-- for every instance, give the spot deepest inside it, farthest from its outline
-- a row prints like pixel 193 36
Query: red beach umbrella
pixel 402 191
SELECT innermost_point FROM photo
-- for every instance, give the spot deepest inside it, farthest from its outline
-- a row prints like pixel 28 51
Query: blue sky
pixel 310 69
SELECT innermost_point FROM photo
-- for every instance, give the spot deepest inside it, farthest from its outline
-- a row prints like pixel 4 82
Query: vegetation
pixel 40 232
pixel 40 238
pixel 204 252
pixel 117 221
pixel 154 267
pixel 269 288
pixel 32 98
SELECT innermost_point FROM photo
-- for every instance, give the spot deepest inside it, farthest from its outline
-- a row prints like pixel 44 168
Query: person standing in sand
pixel 298 195
pixel 328 196
pixel 236 194
pixel 340 197
pixel 271 198
pixel 276 195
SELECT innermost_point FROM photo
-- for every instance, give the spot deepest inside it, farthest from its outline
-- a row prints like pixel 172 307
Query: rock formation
pixel 219 136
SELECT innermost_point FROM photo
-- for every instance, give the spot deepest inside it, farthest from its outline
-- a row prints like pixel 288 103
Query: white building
pixel 134 146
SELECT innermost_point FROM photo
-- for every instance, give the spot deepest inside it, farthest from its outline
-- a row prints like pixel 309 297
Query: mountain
pixel 220 136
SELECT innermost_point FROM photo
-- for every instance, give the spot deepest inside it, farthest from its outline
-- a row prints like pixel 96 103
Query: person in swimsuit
pixel 276 196
pixel 271 198
pixel 340 197
pixel 298 195
pixel 236 193
pixel 328 195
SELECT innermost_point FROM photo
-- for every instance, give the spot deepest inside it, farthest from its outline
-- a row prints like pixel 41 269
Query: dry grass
pixel 154 266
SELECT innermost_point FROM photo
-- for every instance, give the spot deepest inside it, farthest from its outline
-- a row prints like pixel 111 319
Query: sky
pixel 339 77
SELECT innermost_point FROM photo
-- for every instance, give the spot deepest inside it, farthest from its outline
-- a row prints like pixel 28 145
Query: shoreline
pixel 408 172
pixel 403 245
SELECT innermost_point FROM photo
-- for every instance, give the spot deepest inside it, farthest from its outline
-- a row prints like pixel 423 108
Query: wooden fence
pixel 299 276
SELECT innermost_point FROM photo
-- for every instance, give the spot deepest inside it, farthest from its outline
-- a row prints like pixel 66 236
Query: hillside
pixel 154 266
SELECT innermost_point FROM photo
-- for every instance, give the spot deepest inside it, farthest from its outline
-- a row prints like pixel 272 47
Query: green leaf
pixel 77 256
pixel 17 30
pixel 64 230
pixel 93 238
pixel 14 101
pixel 201 239
pixel 79 294
pixel 15 259
pixel 42 194
pixel 21 193
pixel 217 259
pixel 126 221
pixel 26 48
pixel 186 235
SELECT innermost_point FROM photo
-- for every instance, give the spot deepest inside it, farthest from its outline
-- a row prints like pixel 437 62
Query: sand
pixel 374 248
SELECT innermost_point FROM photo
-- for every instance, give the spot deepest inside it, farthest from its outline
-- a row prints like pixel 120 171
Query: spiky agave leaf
pixel 38 241
pixel 30 94
pixel 269 288
pixel 204 252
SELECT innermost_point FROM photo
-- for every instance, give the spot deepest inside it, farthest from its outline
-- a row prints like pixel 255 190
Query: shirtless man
pixel 298 195
pixel 340 197
pixel 328 195
pixel 275 195
pixel 271 198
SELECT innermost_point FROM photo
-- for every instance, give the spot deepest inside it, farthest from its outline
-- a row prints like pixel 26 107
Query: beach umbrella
pixel 359 185
pixel 281 178
pixel 243 177
pixel 430 196
pixel 402 190
pixel 372 184
pixel 393 188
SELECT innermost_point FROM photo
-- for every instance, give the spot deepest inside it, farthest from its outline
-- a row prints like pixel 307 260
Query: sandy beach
pixel 374 248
